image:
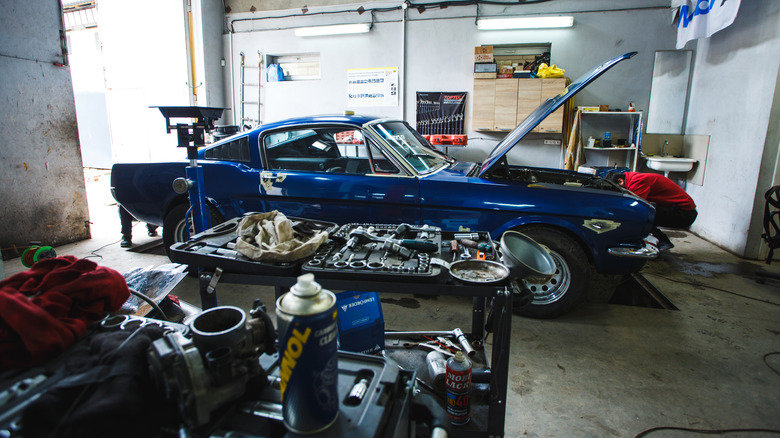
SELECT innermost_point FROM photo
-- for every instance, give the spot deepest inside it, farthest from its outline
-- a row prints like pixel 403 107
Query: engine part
pixel 213 367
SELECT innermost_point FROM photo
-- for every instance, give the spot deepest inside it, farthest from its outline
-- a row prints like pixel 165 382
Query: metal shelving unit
pixel 596 123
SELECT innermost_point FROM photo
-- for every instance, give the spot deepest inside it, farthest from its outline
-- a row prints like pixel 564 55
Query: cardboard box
pixel 483 54
pixel 485 75
pixel 361 323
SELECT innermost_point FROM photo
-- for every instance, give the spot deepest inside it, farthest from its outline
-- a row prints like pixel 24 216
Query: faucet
pixel 663 148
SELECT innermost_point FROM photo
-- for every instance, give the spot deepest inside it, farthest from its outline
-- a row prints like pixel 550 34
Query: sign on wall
pixel 702 18
pixel 372 87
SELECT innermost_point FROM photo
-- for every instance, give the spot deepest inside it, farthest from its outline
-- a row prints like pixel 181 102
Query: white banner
pixel 702 18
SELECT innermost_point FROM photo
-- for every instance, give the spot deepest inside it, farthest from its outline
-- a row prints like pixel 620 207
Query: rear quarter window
pixel 236 150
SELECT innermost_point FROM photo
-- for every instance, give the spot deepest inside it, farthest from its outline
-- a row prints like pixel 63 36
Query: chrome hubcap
pixel 553 289
pixel 180 232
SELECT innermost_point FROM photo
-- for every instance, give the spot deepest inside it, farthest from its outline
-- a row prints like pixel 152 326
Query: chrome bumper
pixel 648 251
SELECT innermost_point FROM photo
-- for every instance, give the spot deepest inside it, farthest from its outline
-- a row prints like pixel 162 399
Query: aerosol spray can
pixel 308 361
pixel 437 369
pixel 458 393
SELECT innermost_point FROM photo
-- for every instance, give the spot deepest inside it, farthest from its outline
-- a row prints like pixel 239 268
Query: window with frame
pixel 298 67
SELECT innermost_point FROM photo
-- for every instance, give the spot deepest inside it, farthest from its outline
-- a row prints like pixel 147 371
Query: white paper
pixel 372 87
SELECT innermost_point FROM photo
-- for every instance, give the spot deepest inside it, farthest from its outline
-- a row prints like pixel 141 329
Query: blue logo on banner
pixel 703 7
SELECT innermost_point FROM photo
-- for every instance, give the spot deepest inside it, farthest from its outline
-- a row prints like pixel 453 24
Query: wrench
pixel 465 255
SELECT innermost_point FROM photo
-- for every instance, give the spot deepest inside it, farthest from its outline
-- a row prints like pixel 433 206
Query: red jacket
pixel 658 190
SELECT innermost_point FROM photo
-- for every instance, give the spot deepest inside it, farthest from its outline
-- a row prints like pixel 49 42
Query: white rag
pixel 269 237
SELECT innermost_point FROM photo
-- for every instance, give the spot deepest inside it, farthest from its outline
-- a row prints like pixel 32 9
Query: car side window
pixel 300 149
pixel 380 163
pixel 319 149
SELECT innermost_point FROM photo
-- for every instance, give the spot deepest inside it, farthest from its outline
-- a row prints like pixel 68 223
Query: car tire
pixel 569 283
pixel 174 225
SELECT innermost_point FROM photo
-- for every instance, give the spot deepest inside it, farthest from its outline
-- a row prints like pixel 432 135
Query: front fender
pixel 552 222
pixel 594 241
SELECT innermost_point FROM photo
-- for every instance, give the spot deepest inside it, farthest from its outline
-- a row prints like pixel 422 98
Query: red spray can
pixel 458 392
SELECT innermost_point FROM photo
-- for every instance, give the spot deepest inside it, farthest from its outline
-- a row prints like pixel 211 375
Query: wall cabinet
pixel 483 105
pixel 501 104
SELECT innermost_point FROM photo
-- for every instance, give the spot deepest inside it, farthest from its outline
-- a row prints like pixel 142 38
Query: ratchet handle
pixel 420 245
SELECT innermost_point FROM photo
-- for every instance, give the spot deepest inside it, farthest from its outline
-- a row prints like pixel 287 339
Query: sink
pixel 670 164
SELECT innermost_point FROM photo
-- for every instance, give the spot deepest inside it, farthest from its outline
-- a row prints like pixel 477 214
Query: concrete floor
pixel 603 370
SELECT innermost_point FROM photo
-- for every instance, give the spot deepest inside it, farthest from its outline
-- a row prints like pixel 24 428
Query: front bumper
pixel 648 251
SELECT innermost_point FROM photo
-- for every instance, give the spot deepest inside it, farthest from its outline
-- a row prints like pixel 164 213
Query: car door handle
pixel 267 179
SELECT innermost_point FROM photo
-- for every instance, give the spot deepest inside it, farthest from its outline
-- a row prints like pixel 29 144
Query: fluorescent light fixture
pixel 524 23
pixel 337 29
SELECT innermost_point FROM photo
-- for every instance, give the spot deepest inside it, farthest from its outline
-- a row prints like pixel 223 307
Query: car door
pixel 332 173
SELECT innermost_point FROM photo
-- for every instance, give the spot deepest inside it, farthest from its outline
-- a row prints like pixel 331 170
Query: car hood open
pixel 545 109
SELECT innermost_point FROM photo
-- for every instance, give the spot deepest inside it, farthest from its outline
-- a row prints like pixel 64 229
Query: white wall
pixel 435 52
pixel 734 80
pixel 379 48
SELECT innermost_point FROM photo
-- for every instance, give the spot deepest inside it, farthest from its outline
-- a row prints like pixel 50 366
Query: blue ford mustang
pixel 360 169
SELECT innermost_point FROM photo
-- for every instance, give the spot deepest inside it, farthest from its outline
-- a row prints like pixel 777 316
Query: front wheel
pixel 568 285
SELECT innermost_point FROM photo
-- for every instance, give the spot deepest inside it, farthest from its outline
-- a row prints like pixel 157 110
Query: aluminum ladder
pixel 247 105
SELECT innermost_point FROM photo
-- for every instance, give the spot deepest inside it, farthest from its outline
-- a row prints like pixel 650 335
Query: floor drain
pixel 635 290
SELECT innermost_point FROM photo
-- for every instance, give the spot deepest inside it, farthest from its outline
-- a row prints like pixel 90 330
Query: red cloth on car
pixel 48 307
pixel 659 190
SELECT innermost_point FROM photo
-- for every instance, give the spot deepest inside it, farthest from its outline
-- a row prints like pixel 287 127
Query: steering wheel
pixel 336 169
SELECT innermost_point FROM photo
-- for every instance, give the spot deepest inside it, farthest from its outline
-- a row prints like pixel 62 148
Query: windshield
pixel 410 145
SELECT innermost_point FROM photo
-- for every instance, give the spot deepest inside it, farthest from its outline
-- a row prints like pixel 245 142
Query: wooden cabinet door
pixel 506 105
pixel 483 105
pixel 529 92
pixel 554 122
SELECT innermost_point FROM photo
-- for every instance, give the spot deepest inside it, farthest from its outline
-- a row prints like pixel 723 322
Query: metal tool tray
pixel 415 359
pixel 213 249
pixel 383 411
pixel 370 261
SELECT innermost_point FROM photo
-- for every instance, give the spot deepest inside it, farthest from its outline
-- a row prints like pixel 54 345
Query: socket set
pixel 373 251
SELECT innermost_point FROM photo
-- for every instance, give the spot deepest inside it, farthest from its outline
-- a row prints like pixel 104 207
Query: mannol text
pixel 292 352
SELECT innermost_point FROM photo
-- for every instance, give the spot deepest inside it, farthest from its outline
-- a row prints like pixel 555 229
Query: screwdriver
pixel 482 246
